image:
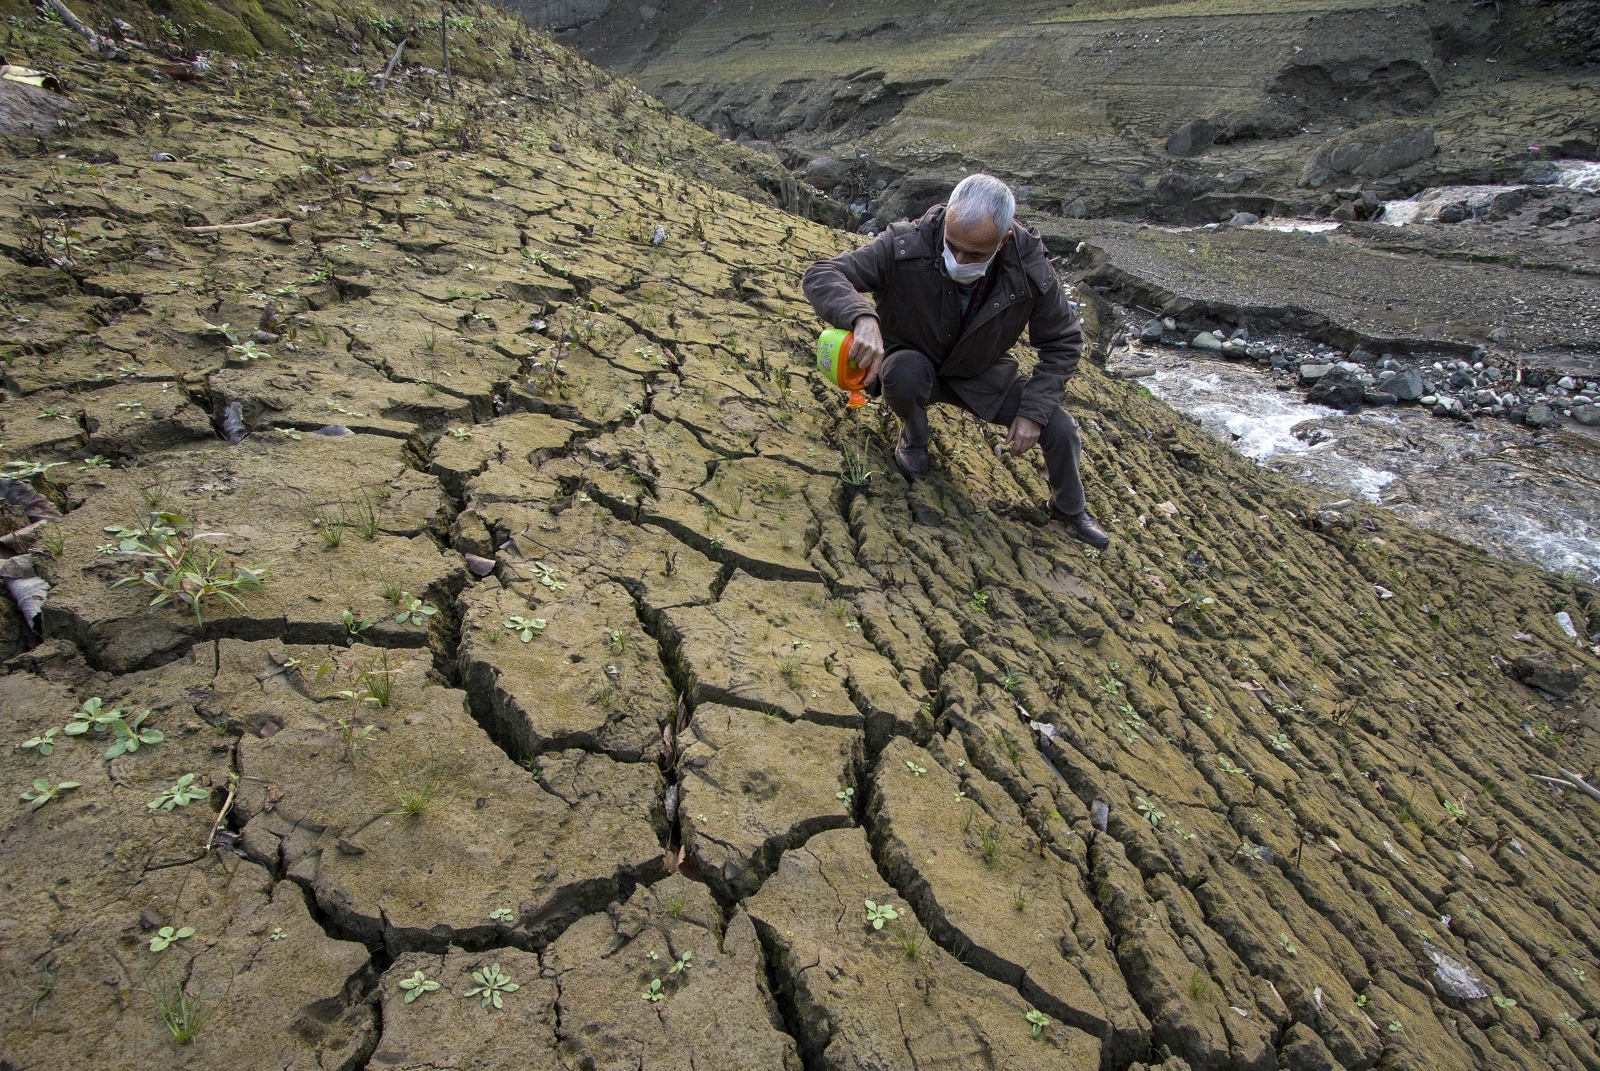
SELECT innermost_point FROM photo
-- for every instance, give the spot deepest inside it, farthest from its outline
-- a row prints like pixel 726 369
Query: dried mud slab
pixel 274 501
pixel 714 1013
pixel 484 834
pixel 861 1001
pixel 590 679
pixel 446 1028
pixel 958 849
pixel 755 785
pixel 78 977
pixel 781 644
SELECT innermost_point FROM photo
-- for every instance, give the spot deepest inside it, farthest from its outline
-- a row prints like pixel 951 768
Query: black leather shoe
pixel 1082 527
pixel 912 461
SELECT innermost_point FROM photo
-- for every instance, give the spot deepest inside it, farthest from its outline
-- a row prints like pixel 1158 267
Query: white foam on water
pixel 1275 223
pixel 1579 175
pixel 1261 422
pixel 1427 205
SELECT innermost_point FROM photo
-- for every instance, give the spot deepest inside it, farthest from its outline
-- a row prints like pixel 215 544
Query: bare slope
pixel 1231 792
pixel 1118 106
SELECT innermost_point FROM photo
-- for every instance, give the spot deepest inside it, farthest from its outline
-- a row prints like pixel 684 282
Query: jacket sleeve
pixel 1054 330
pixel 835 286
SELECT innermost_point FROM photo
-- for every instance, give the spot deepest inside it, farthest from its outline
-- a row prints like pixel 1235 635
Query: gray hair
pixel 979 197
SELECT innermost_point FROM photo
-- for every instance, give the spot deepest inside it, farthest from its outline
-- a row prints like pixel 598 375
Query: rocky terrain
pixel 509 677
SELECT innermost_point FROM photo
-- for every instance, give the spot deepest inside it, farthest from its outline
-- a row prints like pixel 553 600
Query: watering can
pixel 833 361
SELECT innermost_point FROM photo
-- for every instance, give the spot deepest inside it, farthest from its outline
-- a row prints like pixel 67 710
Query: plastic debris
pixel 1451 976
pixel 333 431
pixel 233 428
pixel 1100 814
pixel 1564 619
pixel 660 236
pixel 27 590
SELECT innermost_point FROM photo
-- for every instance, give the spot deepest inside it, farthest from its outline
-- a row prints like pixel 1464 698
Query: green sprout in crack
pixel 492 983
pixel 128 734
pixel 248 351
pixel 418 984
pixel 182 1014
pixel 525 627
pixel 685 961
pixel 43 792
pixel 354 627
pixel 167 935
pixel 1039 1021
pixel 27 470
pixel 1247 850
pixel 991 845
pixel 502 914
pixel 460 435
pixel 277 934
pixel 44 742
pixel 916 771
pixel 1150 811
pixel 1503 1002
pixel 1279 742
pixel 95 462
pixel 225 330
pixel 1012 682
pixel 847 794
pixel 979 602
pixel 180 794
pixel 878 914
pixel 1288 945
pixel 653 992
pixel 414 610
pixel 617 640
pixel 54 412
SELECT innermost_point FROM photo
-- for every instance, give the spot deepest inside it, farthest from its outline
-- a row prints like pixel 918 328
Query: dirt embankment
pixel 580 712
pixel 1114 107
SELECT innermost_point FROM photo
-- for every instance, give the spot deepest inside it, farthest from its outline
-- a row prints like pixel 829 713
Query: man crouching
pixel 954 290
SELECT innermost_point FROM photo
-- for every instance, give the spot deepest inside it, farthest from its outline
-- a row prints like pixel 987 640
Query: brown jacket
pixel 919 308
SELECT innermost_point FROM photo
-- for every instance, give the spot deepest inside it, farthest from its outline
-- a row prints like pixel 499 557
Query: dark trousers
pixel 910 385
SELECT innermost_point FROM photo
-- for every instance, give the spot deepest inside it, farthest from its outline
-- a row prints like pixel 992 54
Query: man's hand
pixel 1023 435
pixel 866 352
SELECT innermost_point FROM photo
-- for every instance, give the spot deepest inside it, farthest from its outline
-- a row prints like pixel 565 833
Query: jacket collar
pixel 925 240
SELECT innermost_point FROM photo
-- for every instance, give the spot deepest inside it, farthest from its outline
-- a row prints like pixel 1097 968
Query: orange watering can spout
pixel 833 361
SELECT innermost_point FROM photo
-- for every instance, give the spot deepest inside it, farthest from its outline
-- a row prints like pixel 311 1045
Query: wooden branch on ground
pixel 215 227
pixel 227 805
pixel 1569 780
pixel 97 44
pixel 383 82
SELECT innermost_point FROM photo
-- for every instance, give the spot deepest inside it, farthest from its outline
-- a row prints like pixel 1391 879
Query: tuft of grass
pixel 367 519
pixel 991 845
pixel 330 528
pixel 675 905
pixel 418 790
pixel 910 940
pixel 1199 984
pixel 183 1013
pixel 789 670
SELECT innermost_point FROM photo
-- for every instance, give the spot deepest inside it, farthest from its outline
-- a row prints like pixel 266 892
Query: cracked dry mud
pixel 1205 800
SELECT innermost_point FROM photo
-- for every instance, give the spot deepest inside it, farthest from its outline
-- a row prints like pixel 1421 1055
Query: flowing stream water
pixel 1530 496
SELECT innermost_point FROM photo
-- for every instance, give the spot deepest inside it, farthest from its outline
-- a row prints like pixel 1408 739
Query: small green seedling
pixel 1279 742
pixel 166 936
pixel 181 794
pixel 1288 945
pixel 414 610
pixel 1504 1002
pixel 1039 1020
pixel 43 791
pixel 1361 1000
pixel 525 627
pixel 354 627
pixel 979 602
pixel 685 961
pixel 846 794
pixel 653 993
pixel 1150 811
pixel 43 742
pixel 417 985
pixel 95 462
pixel 1395 1026
pixel 492 983
pixel 277 934
pixel 247 350
pixel 225 330
pixel 130 737
pixel 878 914
pixel 183 1014
pixel 916 771
pixel 460 435
pixel 547 577
pixel 502 914
pixel 617 640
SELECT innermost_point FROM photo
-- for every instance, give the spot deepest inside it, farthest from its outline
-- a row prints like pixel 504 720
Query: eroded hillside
pixel 583 718
pixel 1172 110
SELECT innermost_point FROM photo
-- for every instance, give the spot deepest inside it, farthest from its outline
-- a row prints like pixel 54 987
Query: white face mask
pixel 964 273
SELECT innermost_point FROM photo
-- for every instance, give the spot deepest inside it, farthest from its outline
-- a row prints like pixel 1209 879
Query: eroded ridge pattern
pixel 585 718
